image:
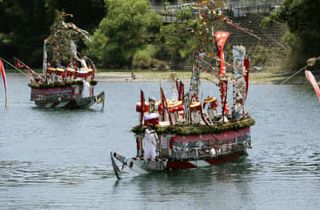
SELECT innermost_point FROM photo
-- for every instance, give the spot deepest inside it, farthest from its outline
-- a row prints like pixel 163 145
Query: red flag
pixel 165 104
pixel 223 92
pixel 221 39
pixel 142 106
pixel 246 76
pixel 4 78
pixel 181 92
pixel 313 82
pixel 19 65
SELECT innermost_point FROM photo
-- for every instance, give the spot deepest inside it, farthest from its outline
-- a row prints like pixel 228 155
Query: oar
pixel 114 166
pixel 310 62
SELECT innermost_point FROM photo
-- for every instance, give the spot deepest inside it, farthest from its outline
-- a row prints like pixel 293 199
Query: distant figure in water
pixel 149 144
pixel 133 76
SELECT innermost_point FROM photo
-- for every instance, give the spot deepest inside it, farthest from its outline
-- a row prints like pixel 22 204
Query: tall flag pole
pixel 165 104
pixel 4 78
pixel 142 107
pixel 181 92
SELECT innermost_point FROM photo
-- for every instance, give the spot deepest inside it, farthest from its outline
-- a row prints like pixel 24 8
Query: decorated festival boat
pixel 188 131
pixel 68 79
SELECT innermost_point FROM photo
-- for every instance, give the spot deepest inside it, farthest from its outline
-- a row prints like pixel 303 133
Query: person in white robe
pixel 86 92
pixel 149 144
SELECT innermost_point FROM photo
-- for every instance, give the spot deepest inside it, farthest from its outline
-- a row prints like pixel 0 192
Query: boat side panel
pixel 178 164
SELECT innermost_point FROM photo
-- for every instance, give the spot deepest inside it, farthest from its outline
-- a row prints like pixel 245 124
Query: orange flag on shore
pixel 4 78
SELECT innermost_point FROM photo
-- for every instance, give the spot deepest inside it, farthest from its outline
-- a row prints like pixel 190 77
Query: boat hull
pixel 177 151
pixel 141 166
pixel 189 164
pixel 64 98
pixel 77 103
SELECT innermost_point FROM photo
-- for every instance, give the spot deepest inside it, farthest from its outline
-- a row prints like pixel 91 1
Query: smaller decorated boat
pixel 68 79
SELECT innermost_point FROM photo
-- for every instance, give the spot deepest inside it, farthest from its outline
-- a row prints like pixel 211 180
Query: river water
pixel 60 159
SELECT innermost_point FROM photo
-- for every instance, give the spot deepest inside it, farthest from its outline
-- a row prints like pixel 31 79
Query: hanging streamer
pixel 246 76
pixel 221 38
pixel 4 78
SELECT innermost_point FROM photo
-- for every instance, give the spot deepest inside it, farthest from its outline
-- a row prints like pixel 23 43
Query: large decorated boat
pixel 68 79
pixel 188 131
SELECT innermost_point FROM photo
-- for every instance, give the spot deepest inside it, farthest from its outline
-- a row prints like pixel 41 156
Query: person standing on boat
pixel 86 89
pixel 149 143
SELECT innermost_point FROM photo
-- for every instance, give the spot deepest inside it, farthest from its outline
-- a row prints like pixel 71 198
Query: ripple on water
pixel 16 173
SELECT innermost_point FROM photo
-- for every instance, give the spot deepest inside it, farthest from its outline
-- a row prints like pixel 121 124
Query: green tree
pixel 128 26
pixel 302 18
pixel 177 39
pixel 25 24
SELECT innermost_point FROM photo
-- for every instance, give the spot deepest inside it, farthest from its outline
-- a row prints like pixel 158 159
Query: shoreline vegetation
pixel 132 75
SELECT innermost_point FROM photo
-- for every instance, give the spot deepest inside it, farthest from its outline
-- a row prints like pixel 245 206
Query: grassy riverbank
pixel 122 75
pixel 152 75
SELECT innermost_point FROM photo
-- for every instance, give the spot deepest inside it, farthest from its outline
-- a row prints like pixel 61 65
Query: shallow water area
pixel 59 159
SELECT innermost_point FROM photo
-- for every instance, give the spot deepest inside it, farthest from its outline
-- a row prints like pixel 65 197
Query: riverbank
pixel 255 77
pixel 157 75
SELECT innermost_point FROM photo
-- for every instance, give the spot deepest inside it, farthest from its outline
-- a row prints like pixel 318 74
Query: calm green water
pixel 60 159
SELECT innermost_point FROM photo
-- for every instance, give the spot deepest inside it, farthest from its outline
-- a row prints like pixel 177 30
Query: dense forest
pixel 25 24
pixel 128 33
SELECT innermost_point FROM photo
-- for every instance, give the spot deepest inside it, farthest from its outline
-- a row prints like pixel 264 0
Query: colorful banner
pixel 4 78
pixel 221 39
pixel 313 82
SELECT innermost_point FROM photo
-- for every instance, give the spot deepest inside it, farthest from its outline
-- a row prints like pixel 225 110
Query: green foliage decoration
pixel 60 84
pixel 184 130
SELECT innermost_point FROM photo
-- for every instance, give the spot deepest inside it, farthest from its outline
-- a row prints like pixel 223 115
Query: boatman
pixel 86 92
pixel 150 144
